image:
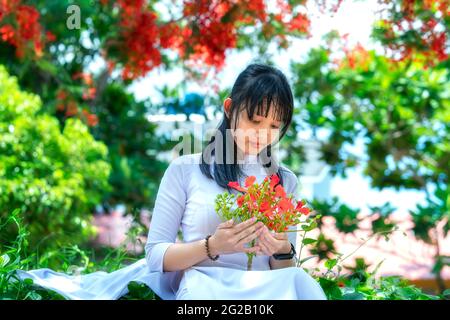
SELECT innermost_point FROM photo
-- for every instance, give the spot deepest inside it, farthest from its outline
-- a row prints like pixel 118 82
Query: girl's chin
pixel 255 146
pixel 253 149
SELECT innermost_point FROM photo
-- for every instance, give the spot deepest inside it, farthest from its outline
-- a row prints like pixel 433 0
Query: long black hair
pixel 254 90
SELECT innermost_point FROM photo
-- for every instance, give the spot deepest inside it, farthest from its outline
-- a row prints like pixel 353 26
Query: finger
pixel 264 248
pixel 252 249
pixel 250 237
pixel 269 241
pixel 226 224
pixel 281 236
pixel 243 225
pixel 249 230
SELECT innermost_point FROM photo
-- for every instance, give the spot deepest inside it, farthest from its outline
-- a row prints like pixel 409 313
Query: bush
pixel 54 175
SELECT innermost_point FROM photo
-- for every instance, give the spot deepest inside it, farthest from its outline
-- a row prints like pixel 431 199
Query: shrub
pixel 53 175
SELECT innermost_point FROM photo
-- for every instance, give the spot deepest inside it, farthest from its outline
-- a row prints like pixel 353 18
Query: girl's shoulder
pixel 187 159
pixel 185 164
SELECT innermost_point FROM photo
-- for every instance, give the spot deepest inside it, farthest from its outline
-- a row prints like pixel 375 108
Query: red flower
pixel 91 119
pixel 285 204
pixel 7 33
pixel 279 191
pixel 240 201
pixel 274 180
pixel 50 36
pixel 300 22
pixel 300 204
pixel 235 185
pixel 265 206
pixel 304 210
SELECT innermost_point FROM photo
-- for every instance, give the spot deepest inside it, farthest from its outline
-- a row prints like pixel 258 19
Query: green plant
pixel 18 256
pixel 54 175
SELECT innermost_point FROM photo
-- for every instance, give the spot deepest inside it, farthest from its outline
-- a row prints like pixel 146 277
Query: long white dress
pixel 186 199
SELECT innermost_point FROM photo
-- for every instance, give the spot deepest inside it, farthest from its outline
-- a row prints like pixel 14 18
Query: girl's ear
pixel 227 106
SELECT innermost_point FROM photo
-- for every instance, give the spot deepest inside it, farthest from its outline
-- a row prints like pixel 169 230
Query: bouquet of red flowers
pixel 267 202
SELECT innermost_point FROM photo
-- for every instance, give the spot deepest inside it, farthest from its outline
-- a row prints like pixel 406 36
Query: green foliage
pixel 400 112
pixel 224 206
pixel 68 259
pixel 360 284
pixel 54 176
pixel 357 285
pixel 437 209
pixel 133 146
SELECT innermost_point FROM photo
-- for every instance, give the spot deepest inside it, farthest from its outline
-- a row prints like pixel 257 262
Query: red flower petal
pixel 279 191
pixel 264 206
pixel 299 205
pixel 274 180
pixel 285 204
pixel 249 181
pixel 235 185
pixel 304 210
pixel 240 201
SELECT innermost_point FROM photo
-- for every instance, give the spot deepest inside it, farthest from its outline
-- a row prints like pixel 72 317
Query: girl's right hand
pixel 231 238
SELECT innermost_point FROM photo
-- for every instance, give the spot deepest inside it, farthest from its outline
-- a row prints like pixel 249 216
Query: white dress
pixel 186 199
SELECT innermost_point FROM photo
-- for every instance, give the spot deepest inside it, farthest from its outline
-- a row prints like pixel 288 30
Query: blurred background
pixel 97 97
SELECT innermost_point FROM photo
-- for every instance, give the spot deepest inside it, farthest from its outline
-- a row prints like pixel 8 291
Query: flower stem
pixel 250 256
pixel 301 248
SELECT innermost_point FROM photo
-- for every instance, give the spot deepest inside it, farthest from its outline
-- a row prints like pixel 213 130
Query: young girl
pixel 256 115
pixel 211 262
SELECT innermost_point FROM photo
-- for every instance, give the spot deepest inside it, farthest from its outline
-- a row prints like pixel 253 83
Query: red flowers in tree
pixel 139 38
pixel 90 90
pixel 416 30
pixel 66 103
pixel 200 37
pixel 19 26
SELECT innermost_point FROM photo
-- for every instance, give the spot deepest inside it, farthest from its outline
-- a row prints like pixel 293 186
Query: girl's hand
pixel 273 243
pixel 232 238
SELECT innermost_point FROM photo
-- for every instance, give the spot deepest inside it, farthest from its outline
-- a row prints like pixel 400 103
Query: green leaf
pixel 446 292
pixel 330 263
pixel 4 259
pixel 353 296
pixel 309 227
pixel 307 241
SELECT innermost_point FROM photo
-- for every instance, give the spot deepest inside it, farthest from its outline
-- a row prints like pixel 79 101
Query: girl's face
pixel 253 135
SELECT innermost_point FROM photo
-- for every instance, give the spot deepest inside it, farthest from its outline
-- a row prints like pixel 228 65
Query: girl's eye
pixel 256 121
pixel 275 127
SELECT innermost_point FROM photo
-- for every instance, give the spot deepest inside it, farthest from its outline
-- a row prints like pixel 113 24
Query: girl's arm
pixel 180 256
pixel 161 251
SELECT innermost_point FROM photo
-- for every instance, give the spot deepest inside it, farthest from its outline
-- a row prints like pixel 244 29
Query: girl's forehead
pixel 272 114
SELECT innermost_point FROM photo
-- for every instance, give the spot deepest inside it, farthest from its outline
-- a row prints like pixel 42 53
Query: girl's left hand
pixel 273 243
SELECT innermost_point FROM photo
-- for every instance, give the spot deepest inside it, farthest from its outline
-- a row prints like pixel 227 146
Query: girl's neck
pixel 243 157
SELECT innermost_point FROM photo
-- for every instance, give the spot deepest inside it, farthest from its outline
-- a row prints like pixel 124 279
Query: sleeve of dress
pixel 167 215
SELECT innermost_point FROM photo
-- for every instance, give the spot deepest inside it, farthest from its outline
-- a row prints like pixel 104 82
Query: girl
pixel 256 115
pixel 211 262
